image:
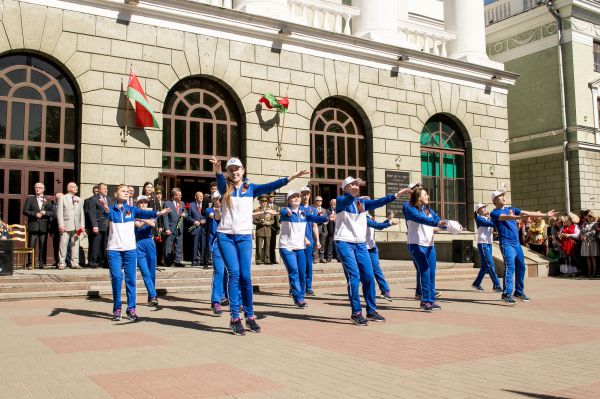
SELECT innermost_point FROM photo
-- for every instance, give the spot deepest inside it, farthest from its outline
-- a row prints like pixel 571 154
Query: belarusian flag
pixel 144 117
pixel 272 102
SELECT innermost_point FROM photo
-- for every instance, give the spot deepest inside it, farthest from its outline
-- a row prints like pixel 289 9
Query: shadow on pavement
pixel 536 395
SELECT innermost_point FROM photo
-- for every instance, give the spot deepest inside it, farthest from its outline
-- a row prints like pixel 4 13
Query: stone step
pixel 191 289
pixel 104 283
pixel 61 276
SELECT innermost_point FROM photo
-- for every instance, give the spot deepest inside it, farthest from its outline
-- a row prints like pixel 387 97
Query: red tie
pixel 73 199
pixel 177 207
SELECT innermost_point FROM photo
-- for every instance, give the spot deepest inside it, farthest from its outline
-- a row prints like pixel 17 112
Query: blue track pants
pixel 377 272
pixel 126 259
pixel 358 269
pixel 295 263
pixel 487 265
pixel 514 264
pixel 236 250
pixel 425 259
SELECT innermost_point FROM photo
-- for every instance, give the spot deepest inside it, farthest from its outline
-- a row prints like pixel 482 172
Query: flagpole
pixel 280 138
pixel 125 129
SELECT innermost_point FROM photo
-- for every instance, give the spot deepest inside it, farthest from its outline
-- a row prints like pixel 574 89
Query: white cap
pixel 234 162
pixel 292 192
pixel 453 227
pixel 215 195
pixel 142 198
pixel 495 194
pixel 349 180
pixel 479 205
pixel 413 185
pixel 304 189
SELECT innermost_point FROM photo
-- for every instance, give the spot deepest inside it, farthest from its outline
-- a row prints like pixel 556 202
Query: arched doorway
pixel 443 168
pixel 39 130
pixel 338 147
pixel 200 119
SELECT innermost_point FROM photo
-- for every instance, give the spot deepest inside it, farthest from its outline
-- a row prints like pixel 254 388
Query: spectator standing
pixel 275 227
pixel 197 217
pixel 263 221
pixel 53 228
pixel 86 207
pixel 38 211
pixel 536 235
pixel 173 227
pixel 71 224
pixel 568 236
pixel 319 253
pixel 99 227
pixel 330 250
pixel 158 232
pixel 589 243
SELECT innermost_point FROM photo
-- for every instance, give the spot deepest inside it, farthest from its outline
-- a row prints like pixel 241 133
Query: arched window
pixel 200 120
pixel 337 146
pixel 443 168
pixel 38 130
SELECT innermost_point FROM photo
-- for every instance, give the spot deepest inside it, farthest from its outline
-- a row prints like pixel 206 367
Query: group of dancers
pixel 231 219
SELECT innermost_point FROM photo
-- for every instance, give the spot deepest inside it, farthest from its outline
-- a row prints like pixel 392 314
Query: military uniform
pixel 263 223
pixel 275 229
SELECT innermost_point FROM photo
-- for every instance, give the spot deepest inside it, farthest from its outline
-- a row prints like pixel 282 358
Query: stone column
pixel 466 19
pixel 378 20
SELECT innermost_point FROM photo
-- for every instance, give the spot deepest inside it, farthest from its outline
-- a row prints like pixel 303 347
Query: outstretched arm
pixel 414 215
pixel 379 202
pixel 378 225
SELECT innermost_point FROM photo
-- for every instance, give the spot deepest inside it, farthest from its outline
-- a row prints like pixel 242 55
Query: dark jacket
pixel 31 209
pixel 95 213
pixel 171 219
pixel 194 215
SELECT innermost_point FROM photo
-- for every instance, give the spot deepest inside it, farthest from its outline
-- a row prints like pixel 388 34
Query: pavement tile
pixel 100 342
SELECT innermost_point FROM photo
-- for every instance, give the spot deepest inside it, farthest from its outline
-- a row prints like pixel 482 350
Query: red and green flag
pixel 271 101
pixel 144 117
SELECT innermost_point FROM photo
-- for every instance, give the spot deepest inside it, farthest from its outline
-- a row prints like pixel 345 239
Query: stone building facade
pixel 203 69
pixel 524 36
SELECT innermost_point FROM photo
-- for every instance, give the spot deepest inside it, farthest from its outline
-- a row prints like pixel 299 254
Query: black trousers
pixel 330 250
pixel 38 239
pixel 98 249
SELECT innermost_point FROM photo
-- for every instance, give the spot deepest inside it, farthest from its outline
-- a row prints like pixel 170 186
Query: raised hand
pixel 216 164
pixel 288 211
pixel 402 192
pixel 165 210
pixel 552 213
pixel 299 173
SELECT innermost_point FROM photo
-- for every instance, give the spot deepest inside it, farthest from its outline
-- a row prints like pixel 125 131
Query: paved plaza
pixel 475 347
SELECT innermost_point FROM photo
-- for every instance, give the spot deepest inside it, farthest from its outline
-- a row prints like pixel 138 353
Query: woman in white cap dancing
pixel 350 240
pixel 234 235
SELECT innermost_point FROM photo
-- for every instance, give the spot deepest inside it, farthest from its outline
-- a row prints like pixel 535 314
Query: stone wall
pixel 537 183
pixel 98 52
pixel 585 168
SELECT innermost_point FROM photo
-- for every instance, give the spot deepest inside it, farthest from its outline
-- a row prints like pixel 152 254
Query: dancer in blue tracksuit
pixel 146 251
pixel 421 222
pixel 372 225
pixel 311 232
pixel 350 239
pixel 485 229
pixel 122 249
pixel 219 281
pixel 293 244
pixel 234 235
pixel 508 236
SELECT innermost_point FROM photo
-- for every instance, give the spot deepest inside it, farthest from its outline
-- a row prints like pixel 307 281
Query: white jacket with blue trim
pixel 237 218
pixel 371 227
pixel 121 231
pixel 485 230
pixel 350 224
pixel 293 227
pixel 420 225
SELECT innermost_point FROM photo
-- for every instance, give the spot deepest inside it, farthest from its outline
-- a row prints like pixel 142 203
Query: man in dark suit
pixel 86 206
pixel 207 203
pixel 319 254
pixel 173 227
pixel 197 217
pixel 330 250
pixel 159 205
pixel 99 227
pixel 38 211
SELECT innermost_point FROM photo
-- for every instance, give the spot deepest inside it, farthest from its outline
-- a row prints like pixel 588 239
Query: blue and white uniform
pixel 374 251
pixel 405 205
pixel 485 230
pixel 421 227
pixel 219 281
pixel 234 237
pixel 350 239
pixel 292 247
pixel 146 258
pixel 122 249
pixel 514 259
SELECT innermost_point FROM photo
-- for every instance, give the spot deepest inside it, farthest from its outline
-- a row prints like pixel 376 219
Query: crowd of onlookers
pixel 571 241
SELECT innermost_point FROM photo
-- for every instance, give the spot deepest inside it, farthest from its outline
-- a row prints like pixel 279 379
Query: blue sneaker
pixel 252 325
pixel 358 319
pixel 237 327
pixel 522 297
pixel 116 315
pixel 477 287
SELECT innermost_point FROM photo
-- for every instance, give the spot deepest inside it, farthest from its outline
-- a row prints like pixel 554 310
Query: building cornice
pixel 263 30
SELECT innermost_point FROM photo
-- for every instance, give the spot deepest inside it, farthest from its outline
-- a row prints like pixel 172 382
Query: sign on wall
pixel 395 181
pixel 280 199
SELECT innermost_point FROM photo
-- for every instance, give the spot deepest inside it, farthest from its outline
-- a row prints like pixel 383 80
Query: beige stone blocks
pixel 93 44
pixel 110 28
pixel 241 51
pixel 124 49
pixel 312 64
pixel 169 38
pixel 139 33
pixel 275 74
